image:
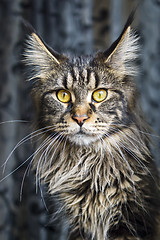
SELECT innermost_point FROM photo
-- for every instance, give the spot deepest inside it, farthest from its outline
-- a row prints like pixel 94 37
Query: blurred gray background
pixel 78 27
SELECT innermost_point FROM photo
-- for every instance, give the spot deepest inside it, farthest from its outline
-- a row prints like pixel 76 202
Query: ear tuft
pixel 41 58
pixel 123 52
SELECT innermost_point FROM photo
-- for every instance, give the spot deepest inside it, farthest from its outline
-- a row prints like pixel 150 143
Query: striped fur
pixel 102 172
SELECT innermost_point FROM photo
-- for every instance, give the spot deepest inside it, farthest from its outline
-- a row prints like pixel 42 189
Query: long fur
pixel 102 172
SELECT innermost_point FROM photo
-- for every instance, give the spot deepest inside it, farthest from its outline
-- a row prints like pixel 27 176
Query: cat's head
pixel 85 98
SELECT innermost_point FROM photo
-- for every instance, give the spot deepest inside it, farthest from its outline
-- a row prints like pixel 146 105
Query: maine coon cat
pixel 94 151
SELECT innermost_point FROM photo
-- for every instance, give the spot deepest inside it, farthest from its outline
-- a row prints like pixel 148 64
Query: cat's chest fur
pixel 92 185
pixel 93 146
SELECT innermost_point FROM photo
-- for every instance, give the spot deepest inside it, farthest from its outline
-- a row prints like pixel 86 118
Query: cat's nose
pixel 80 119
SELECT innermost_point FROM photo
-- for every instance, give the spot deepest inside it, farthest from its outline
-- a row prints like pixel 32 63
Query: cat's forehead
pixel 82 73
pixel 82 78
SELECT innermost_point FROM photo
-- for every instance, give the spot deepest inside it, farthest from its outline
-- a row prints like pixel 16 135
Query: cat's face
pixel 84 99
pixel 83 103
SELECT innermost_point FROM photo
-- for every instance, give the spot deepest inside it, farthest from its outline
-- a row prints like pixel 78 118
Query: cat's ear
pixel 122 53
pixel 39 56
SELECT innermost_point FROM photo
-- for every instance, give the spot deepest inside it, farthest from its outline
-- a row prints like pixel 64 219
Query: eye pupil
pixel 100 94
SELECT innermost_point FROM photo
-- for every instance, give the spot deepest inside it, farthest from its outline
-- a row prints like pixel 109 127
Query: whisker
pixel 15 169
pixel 130 139
pixel 40 148
pixel 23 140
pixel 61 137
pixel 20 165
pixel 45 153
pixel 121 153
pixel 120 124
pixel 131 153
pixel 38 171
pixel 143 166
pixel 14 121
pixel 22 183
pixel 28 167
pixel 43 200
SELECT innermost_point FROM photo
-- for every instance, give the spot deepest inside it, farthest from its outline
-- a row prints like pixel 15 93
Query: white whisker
pixel 40 160
pixel 14 121
pixel 23 140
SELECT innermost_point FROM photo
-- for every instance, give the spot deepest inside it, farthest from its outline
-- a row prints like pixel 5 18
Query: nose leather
pixel 80 119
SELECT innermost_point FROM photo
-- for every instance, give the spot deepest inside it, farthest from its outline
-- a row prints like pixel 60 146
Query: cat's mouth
pixel 83 137
pixel 82 132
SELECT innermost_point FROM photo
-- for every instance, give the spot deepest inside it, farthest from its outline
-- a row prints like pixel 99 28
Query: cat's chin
pixel 82 139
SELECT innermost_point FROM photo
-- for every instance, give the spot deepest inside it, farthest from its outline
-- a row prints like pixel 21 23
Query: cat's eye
pixel 64 96
pixel 99 95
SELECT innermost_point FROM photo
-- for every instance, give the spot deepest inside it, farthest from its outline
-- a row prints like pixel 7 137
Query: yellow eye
pixel 99 95
pixel 64 96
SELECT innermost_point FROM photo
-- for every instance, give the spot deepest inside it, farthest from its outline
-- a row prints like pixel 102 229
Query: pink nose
pixel 80 119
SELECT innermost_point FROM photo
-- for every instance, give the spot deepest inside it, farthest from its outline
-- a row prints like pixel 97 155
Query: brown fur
pixel 102 172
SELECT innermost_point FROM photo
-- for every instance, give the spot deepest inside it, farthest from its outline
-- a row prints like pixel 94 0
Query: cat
pixel 94 152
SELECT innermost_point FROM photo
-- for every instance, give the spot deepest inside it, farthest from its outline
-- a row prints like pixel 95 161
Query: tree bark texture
pixel 75 27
